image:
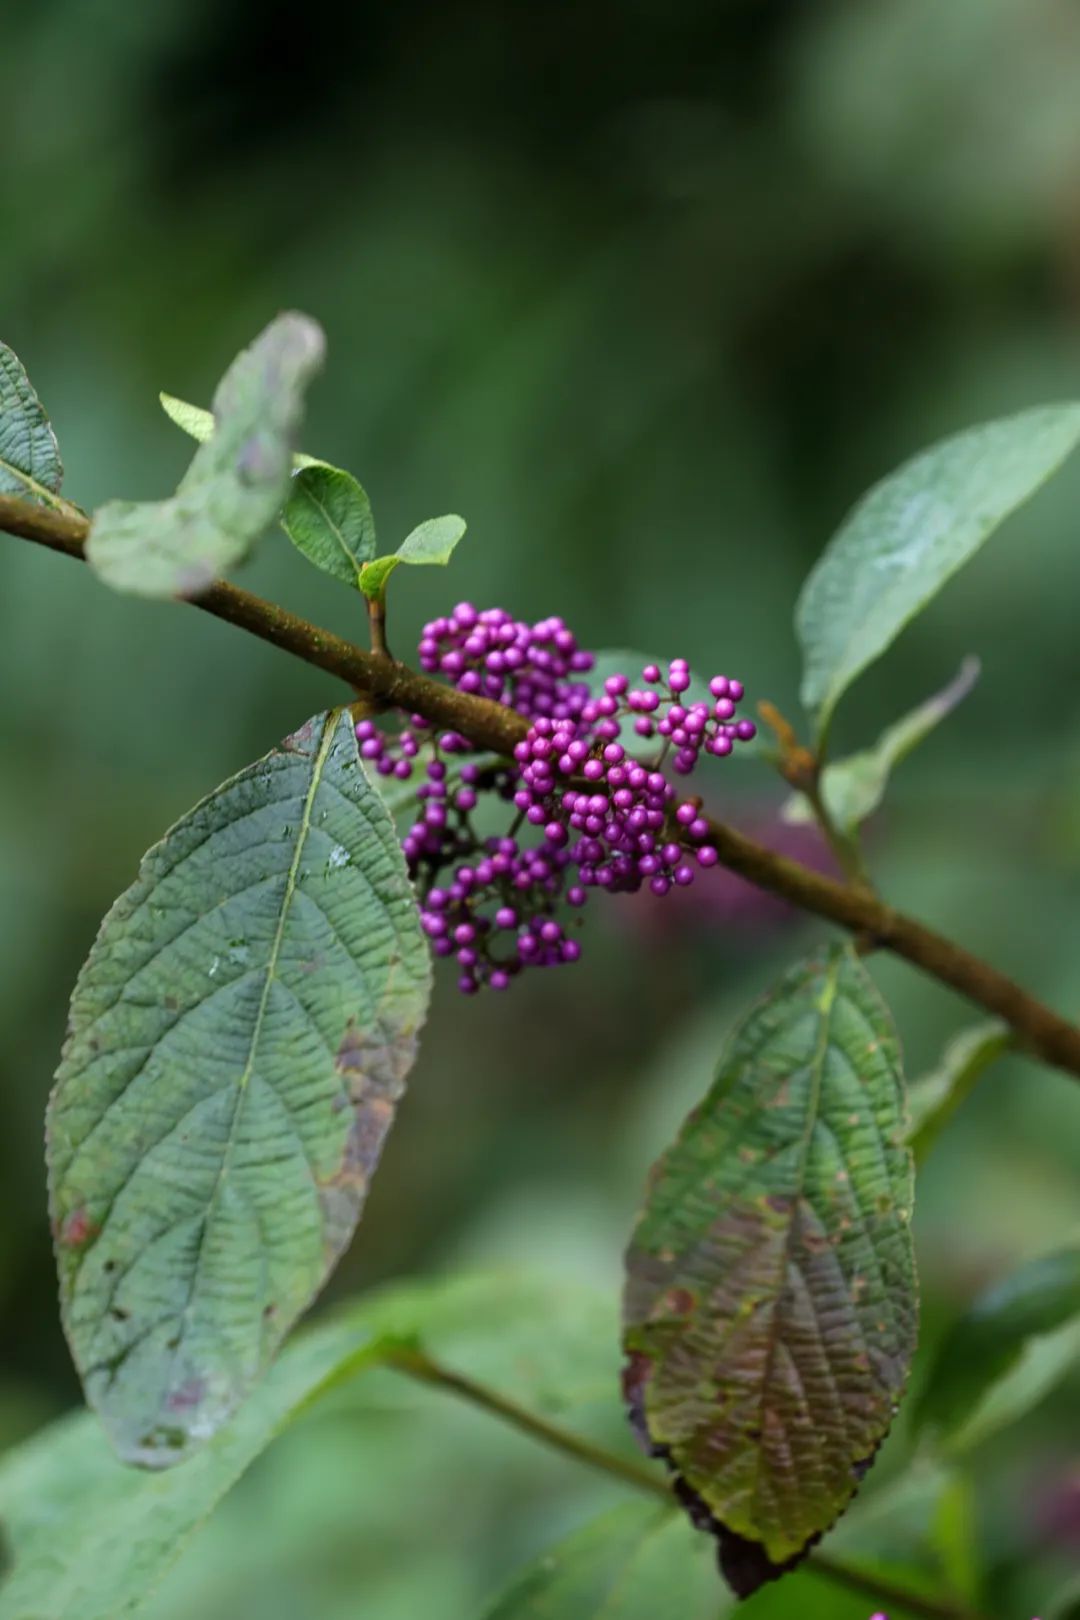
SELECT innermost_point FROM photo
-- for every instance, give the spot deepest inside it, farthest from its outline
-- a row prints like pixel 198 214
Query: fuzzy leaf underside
pixel 908 536
pixel 770 1305
pixel 239 1038
pixel 30 463
pixel 235 486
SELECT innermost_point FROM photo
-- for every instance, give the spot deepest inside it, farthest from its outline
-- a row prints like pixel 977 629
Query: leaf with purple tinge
pixel 770 1308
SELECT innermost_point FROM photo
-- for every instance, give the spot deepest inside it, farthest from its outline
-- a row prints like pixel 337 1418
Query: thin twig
pixel 1038 1029
pixel 424 1369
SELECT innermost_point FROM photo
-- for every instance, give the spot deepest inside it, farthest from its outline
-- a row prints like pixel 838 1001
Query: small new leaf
pixel 29 455
pixel 430 542
pixel 770 1306
pixel 193 420
pixel 328 517
pixel 854 787
pixel 239 1038
pixel 1005 1352
pixel 198 424
pixel 234 487
pixel 907 538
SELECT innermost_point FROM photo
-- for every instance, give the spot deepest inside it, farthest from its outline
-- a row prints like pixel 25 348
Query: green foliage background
pixel 650 294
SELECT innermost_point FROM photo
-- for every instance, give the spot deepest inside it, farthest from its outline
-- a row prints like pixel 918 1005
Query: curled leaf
pixel 234 487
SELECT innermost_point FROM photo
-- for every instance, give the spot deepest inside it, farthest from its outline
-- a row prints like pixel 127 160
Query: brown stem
pixel 1039 1030
pixel 415 1363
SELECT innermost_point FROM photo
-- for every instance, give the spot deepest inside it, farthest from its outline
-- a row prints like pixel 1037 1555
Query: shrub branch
pixel 1038 1030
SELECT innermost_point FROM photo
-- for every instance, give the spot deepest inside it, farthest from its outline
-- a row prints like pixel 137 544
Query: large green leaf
pixel 935 1097
pixel 854 787
pixel 29 454
pixel 239 1038
pixel 92 1538
pixel 639 1562
pixel 234 487
pixel 431 542
pixel 1005 1353
pixel 328 517
pixel 910 534
pixel 770 1307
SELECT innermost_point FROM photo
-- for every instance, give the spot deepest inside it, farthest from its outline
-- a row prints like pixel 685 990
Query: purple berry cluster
pixel 575 810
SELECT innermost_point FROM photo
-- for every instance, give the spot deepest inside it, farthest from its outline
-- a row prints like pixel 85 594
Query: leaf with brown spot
pixel 769 1398
pixel 221 1102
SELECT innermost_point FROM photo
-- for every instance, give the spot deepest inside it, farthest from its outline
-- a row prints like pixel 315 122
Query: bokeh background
pixel 650 293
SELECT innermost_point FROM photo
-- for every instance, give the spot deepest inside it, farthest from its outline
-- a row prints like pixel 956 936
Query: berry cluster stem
pixel 1039 1030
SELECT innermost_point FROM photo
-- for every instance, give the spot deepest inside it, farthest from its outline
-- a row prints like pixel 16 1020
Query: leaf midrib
pixel 49 496
pixel 826 1001
pixel 325 745
pixel 335 530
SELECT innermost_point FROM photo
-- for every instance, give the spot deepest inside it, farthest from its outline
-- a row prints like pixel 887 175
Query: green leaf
pixel 854 787
pixel 430 542
pixel 328 517
pixel 1005 1353
pixel 239 1038
pixel 234 487
pixel 638 1562
pixel 543 1346
pixel 30 463
pixel 909 535
pixel 198 424
pixel 193 420
pixel 935 1097
pixel 770 1305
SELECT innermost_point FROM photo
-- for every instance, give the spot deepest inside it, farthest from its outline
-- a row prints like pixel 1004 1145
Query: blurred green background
pixel 649 293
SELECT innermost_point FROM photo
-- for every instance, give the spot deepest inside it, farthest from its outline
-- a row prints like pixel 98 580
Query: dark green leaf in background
pixel 770 1307
pixel 1005 1353
pixel 234 487
pixel 642 1561
pixel 934 1098
pixel 239 1038
pixel 92 1538
pixel 29 455
pixel 909 535
pixel 328 517
pixel 854 787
